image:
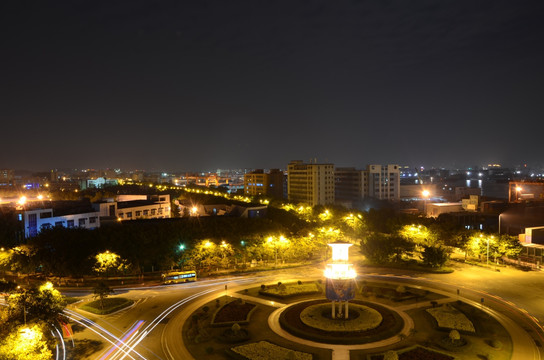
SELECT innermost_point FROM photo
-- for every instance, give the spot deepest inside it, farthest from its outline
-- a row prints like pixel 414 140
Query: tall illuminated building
pixel 311 184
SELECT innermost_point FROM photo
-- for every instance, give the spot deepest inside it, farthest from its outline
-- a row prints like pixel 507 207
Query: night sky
pixel 201 85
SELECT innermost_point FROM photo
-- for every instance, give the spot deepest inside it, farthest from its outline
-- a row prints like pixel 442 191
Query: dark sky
pixel 198 85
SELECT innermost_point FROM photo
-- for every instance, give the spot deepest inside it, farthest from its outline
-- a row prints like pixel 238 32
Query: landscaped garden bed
pixel 390 325
pixel 289 290
pixel 361 318
pixel 395 294
pixel 416 353
pixel 264 350
pixel 448 317
pixel 110 305
pixel 236 311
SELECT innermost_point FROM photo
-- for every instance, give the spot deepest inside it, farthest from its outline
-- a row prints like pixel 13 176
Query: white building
pixel 37 220
pixel 132 207
pixel 436 209
pixel 311 184
pixel 382 182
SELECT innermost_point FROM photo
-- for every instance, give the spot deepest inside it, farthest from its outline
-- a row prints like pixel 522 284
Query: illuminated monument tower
pixel 340 279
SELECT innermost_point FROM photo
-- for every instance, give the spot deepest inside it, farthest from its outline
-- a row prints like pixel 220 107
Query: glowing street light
pixel 518 190
pixel 194 210
pixel 426 194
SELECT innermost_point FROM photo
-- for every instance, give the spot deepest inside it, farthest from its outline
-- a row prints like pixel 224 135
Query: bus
pixel 176 277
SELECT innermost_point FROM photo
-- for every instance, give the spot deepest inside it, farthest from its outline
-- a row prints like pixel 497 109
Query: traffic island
pixel 367 322
pixel 108 306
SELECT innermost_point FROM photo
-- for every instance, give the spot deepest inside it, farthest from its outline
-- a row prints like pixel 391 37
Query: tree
pixel 101 291
pixel 26 343
pixel 174 209
pixel 507 245
pixel 434 256
pixel 108 261
pixel 35 304
pixel 400 246
pixel 377 248
pixel 418 234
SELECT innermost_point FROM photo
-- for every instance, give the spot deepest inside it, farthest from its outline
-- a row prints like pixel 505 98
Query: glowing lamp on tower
pixel 340 279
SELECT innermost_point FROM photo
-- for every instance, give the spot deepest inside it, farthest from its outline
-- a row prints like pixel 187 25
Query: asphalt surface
pixel 151 322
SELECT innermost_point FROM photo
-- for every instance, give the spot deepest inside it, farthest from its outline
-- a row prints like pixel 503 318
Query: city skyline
pixel 245 85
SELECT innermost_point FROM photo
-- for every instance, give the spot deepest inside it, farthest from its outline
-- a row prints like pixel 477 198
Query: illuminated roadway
pixel 144 331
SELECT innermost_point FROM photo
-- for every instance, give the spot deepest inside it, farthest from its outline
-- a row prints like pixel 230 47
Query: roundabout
pixel 365 318
pixel 368 322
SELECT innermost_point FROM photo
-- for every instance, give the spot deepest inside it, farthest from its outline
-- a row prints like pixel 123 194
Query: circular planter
pixel 391 324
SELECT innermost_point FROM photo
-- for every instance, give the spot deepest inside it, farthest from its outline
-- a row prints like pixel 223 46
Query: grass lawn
pixel 70 300
pixel 110 305
pixel 293 291
pixel 409 265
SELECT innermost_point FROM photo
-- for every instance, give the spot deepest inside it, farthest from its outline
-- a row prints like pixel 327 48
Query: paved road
pixel 158 305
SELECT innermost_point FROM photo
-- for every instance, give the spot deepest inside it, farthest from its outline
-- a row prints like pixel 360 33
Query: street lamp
pixel 426 195
pixel 518 189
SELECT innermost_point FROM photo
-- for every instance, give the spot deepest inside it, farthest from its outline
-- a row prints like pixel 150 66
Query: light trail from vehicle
pixel 90 325
pixel 131 344
pixel 132 331
pixel 61 340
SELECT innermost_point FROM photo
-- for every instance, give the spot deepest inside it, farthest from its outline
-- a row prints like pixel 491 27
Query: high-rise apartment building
pixel 260 183
pixel 348 185
pixel 312 183
pixel 377 182
pixel 382 182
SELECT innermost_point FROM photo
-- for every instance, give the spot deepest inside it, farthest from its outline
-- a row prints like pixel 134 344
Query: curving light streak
pixel 132 331
pixel 127 347
pixel 82 323
pixel 61 339
pixel 56 347
pixel 149 328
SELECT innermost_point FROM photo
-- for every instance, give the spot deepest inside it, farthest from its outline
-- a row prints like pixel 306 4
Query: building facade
pixel 37 220
pixel 382 182
pixel 311 184
pixel 267 184
pixel 348 185
pixel 133 207
pixel 525 191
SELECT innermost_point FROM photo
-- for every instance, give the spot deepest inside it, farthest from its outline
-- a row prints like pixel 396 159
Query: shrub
pixel 391 355
pixel 263 286
pixel 206 309
pixel 497 344
pixel 454 336
pixel 246 291
pixel 299 282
